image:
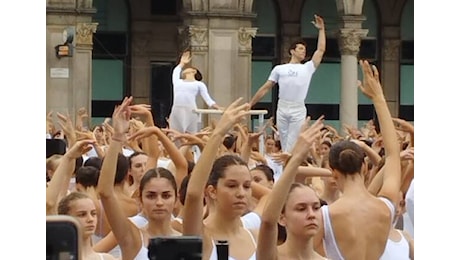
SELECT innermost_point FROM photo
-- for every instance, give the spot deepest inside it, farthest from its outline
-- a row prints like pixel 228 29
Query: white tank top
pixel 396 250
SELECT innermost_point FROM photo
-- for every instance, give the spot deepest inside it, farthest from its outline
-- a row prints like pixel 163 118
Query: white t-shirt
pixel 293 80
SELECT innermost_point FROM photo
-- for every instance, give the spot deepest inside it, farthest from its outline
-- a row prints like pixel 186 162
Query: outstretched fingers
pixel 140 134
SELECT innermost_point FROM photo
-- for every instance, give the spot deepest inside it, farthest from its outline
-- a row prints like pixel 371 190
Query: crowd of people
pixel 315 192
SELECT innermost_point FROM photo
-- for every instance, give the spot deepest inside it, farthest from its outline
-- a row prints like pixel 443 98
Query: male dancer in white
pixel 186 89
pixel 293 79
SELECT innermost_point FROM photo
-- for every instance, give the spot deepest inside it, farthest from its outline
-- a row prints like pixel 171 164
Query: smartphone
pixel 175 248
pixel 63 238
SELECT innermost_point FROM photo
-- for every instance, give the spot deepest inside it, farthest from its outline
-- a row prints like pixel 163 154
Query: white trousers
pixel 289 119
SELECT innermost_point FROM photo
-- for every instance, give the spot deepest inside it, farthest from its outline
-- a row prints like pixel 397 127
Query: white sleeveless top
pixel 396 250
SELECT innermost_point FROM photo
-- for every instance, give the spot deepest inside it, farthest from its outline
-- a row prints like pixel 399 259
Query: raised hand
pixel 121 116
pixel 140 109
pixel 407 154
pixel 403 125
pixel 81 135
pixel 189 139
pixel 370 86
pixel 280 158
pixel 65 123
pixel 143 133
pixel 234 113
pixel 107 128
pixel 82 112
pixel 135 125
pixel 79 148
pixel 67 126
pixel 50 128
pixel 186 57
pixel 318 22
pixel 307 136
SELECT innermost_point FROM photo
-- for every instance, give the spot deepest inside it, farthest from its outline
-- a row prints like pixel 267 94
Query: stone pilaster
pixel 82 67
pixel 349 38
pixel 390 70
pixel 244 69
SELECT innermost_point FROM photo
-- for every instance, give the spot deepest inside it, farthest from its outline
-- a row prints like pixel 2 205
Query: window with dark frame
pixel 264 47
pixel 407 52
pixel 109 45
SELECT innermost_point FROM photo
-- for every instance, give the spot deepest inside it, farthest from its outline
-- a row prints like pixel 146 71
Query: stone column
pixel 349 38
pixel 390 71
pixel 81 67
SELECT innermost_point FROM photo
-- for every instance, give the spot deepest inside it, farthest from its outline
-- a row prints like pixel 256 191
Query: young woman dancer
pixel 82 207
pixel 158 191
pixel 187 86
pixel 358 217
pixel 296 207
pixel 228 185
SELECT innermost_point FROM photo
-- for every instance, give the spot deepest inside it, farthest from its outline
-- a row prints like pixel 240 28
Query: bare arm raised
pixel 267 242
pixel 372 88
pixel 321 47
pixel 127 234
pixel 193 208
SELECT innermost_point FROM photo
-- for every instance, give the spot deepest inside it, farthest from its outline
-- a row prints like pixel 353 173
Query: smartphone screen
pixel 62 238
pixel 175 248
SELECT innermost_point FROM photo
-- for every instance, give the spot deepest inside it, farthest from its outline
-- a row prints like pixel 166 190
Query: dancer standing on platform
pixel 187 86
pixel 293 79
